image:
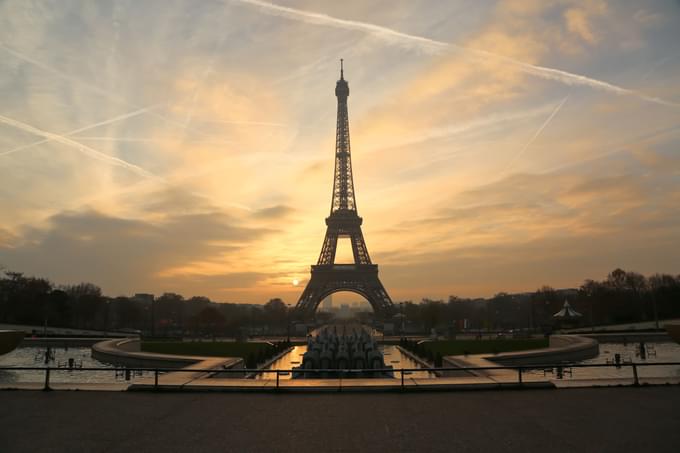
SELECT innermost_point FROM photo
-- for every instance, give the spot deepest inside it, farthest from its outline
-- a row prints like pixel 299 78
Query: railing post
pixel 519 375
pixel 47 379
pixel 277 379
pixel 402 378
pixel 155 379
pixel 636 381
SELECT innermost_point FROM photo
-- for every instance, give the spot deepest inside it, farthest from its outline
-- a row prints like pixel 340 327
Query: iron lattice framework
pixel 344 221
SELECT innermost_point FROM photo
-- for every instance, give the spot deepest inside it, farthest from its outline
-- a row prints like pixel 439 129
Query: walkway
pixel 584 420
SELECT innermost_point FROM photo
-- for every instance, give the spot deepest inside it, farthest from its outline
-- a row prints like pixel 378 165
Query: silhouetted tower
pixel 344 221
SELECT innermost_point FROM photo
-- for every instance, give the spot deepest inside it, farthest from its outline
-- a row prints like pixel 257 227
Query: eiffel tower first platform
pixel 344 221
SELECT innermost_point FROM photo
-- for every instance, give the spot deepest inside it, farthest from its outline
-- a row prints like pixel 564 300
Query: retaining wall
pixel 127 353
pixel 562 348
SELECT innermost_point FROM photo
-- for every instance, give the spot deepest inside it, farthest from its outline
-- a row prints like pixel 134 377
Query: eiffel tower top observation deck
pixel 362 276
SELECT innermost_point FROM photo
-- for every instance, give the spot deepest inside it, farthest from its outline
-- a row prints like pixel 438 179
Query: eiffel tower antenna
pixel 344 221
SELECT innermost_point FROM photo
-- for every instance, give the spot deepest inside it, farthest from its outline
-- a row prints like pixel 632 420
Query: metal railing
pixel 343 373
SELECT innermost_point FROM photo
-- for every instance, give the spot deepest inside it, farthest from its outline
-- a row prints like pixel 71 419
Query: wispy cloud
pixel 432 46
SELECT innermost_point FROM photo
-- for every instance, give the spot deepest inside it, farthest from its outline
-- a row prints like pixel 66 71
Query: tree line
pixel 622 297
pixel 39 302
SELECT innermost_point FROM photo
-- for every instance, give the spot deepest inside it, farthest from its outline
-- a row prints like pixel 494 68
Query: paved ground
pixel 598 420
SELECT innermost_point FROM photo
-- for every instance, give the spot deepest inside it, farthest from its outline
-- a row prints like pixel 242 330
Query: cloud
pixel 273 212
pixel 120 253
pixel 525 230
pixel 577 22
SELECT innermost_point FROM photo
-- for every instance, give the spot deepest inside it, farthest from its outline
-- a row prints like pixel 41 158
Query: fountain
pixel 330 350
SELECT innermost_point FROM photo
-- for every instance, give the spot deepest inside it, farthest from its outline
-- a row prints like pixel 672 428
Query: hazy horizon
pixel 188 146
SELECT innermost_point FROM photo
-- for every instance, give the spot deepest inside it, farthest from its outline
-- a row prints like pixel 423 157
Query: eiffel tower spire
pixel 343 221
pixel 343 184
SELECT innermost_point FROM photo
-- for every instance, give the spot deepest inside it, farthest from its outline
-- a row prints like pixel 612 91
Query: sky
pixel 187 146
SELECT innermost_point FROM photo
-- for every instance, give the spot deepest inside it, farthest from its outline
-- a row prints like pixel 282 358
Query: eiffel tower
pixel 344 221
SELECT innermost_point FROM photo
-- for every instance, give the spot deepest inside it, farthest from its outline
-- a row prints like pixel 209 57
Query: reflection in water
pixel 393 357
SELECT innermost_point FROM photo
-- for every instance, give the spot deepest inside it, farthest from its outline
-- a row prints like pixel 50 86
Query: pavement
pixel 583 420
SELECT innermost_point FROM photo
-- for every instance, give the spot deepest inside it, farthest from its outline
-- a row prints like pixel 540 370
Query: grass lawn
pixel 208 348
pixel 459 347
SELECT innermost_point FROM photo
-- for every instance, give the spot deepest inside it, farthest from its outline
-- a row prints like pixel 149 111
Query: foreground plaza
pixel 584 420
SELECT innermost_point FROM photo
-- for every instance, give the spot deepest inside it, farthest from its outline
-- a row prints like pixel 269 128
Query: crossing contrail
pixel 432 46
pixel 535 136
pixel 95 154
pixel 82 129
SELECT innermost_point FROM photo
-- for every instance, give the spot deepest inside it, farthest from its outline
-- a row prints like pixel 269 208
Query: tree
pixel 129 314
pixel 433 312
pixel 170 311
pixel 87 302
pixel 59 311
pixel 617 279
pixel 276 312
pixel 211 320
pixel 637 283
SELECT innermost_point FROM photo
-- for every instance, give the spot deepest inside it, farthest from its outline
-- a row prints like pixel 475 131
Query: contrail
pixel 386 34
pixel 461 128
pixel 535 136
pixel 82 129
pixel 78 146
pixel 149 140
pixel 60 74
pixel 432 46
